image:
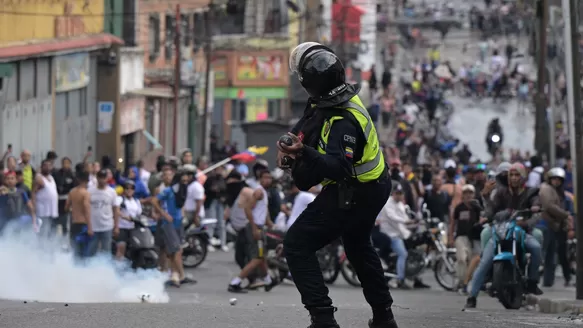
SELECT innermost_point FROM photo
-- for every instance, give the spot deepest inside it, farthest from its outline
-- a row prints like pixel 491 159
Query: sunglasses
pixel 130 188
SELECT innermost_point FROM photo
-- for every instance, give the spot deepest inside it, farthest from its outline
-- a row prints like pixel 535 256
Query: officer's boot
pixel 323 317
pixel 382 318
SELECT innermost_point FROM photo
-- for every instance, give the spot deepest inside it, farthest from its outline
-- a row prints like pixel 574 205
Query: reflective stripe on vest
pixel 371 164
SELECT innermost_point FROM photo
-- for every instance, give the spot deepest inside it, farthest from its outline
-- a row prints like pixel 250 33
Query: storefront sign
pixel 105 111
pixel 72 72
pixel 132 116
pixel 256 110
pixel 260 68
pixel 220 68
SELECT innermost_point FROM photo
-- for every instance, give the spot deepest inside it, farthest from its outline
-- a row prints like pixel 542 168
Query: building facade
pixel 174 119
pixel 53 57
pixel 250 66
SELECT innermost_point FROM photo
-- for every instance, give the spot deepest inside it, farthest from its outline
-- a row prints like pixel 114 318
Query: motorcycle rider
pixel 129 208
pixel 392 221
pixel 515 197
pixel 557 222
pixel 494 128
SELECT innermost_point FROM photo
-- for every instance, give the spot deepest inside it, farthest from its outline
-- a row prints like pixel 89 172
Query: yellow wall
pixel 35 20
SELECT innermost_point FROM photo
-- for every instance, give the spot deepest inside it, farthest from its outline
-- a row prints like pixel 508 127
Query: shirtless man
pixel 451 186
pixel 79 203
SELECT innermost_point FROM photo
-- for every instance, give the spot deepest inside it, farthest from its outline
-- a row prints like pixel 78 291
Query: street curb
pixel 547 305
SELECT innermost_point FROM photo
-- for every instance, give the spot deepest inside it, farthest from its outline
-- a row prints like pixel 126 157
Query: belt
pixel 63 197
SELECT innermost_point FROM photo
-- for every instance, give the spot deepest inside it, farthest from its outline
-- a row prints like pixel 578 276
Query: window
pixel 275 16
pixel 185 29
pixel 154 36
pixel 273 109
pixel 239 110
pixel 232 20
pixel 83 101
pixel 199 30
pixel 150 121
pixel 169 32
pixel 130 19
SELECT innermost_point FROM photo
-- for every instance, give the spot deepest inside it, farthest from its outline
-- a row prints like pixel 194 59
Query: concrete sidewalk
pixel 558 300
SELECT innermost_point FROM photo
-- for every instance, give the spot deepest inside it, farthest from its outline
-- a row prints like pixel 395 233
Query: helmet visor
pixel 297 54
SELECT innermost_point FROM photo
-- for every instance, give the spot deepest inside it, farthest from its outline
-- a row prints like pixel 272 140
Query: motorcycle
pixel 328 258
pixel 417 261
pixel 494 144
pixel 141 247
pixel 197 241
pixel 443 260
pixel 509 269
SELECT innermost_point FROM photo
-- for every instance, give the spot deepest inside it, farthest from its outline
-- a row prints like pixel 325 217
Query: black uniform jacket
pixel 345 144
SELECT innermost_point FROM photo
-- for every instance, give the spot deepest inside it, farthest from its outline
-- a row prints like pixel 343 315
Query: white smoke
pixel 40 270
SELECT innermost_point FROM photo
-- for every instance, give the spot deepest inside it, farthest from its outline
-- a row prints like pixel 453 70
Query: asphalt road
pixel 206 304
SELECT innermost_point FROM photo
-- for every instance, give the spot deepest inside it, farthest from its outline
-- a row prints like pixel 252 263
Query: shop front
pixel 249 87
pixel 75 104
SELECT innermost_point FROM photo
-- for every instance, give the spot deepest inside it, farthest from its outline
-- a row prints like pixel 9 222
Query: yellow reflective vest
pixel 372 164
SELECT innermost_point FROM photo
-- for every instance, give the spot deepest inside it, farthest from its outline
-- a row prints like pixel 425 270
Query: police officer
pixel 335 143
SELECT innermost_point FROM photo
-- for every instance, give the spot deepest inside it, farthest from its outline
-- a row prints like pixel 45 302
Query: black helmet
pixel 319 70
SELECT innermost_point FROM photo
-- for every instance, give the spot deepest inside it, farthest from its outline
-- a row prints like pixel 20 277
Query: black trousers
pixel 321 223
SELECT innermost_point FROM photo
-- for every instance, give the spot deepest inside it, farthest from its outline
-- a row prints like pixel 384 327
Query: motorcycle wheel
pixel 145 259
pixel 415 263
pixel 349 274
pixel 328 265
pixel 510 295
pixel 441 273
pixel 195 253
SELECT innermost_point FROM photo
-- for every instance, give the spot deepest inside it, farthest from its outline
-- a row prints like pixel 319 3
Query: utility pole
pixel 570 13
pixel 207 92
pixel 541 143
pixel 177 78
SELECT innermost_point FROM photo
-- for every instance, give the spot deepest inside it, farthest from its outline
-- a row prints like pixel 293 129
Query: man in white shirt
pixel 301 201
pixel 194 203
pixel 392 220
pixel 104 215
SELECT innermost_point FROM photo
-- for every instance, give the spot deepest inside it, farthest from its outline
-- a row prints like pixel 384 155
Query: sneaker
pixel 236 289
pixel 173 283
pixel 462 289
pixel 470 303
pixel 418 284
pixel 215 241
pixel 532 288
pixel 401 284
pixel 211 248
pixel 187 280
pixel 225 248
pixel 256 284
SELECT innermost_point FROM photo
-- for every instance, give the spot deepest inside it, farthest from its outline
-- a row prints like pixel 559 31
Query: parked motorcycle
pixel 197 241
pixel 510 261
pixel 328 258
pixel 141 247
